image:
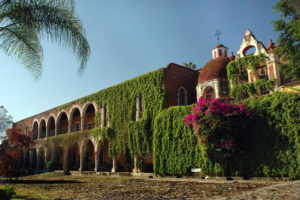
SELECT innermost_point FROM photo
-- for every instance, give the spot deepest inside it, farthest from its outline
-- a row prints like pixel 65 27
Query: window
pixel 26 130
pixel 77 126
pixel 182 96
pixel 139 106
pixel 104 115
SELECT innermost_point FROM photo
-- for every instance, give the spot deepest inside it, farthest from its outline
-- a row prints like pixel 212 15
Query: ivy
pixel 176 148
pixel 123 131
pixel 271 144
pixel 65 139
pixel 242 91
pixel 238 68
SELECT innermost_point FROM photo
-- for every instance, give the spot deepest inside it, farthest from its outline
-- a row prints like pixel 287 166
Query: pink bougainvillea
pixel 209 114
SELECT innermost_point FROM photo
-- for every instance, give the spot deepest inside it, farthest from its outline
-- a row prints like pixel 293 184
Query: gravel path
pixel 285 191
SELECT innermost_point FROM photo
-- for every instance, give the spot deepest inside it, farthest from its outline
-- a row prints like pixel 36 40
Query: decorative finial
pixel 217 35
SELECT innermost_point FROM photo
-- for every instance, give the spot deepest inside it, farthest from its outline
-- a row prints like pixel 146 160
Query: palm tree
pixel 189 65
pixel 24 22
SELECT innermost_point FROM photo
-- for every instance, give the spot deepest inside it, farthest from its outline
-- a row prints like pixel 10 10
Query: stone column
pixel 56 129
pixel 96 161
pixel 37 160
pixel 114 165
pixel 47 131
pixel 81 161
pixel 69 126
pixel 39 132
pixel 30 160
pixel 82 123
pixel 135 160
pixel 24 161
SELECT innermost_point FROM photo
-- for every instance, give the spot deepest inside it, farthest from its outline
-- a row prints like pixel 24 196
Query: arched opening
pixel 51 126
pixel 209 92
pixel 249 50
pixel 182 97
pixel 43 129
pixel 104 161
pixel 73 157
pixel 75 120
pixel 35 129
pixel 41 159
pixel 89 117
pixel 62 124
pixel 34 159
pixel 89 157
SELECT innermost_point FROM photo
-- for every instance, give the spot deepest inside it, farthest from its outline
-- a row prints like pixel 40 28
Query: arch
pixel 41 159
pixel 249 50
pixel 88 156
pixel 35 128
pixel 73 157
pixel 182 96
pixel 62 123
pixel 75 118
pixel 42 127
pixel 51 125
pixel 104 161
pixel 89 116
pixel 209 92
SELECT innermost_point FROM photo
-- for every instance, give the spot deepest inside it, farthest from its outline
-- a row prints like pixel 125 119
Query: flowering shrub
pixel 221 127
pixel 210 114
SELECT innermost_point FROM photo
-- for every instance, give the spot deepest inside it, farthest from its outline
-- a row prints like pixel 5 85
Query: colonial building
pixel 64 136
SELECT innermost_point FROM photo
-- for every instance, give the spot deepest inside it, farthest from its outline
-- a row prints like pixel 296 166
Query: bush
pixel 6 192
pixel 270 142
pixel 50 166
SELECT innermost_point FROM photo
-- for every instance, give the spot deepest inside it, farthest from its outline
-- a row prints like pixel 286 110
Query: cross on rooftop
pixel 218 34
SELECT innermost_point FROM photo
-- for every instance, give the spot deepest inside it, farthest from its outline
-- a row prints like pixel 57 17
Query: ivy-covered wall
pixel 121 109
pixel 175 146
pixel 273 147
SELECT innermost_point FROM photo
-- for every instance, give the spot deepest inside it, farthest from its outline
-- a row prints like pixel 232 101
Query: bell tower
pixel 220 51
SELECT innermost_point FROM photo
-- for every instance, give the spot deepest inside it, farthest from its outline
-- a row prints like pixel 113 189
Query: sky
pixel 129 38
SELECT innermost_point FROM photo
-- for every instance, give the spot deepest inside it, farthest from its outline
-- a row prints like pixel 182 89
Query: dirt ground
pixel 58 186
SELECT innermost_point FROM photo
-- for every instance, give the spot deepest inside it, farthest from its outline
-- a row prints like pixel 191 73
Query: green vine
pixel 257 88
pixel 239 67
pixel 65 139
pixel 120 103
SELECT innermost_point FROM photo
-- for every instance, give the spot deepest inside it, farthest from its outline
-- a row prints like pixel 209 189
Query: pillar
pixel 56 129
pixel 47 131
pixel 24 161
pixel 135 160
pixel 96 161
pixel 39 132
pixel 30 160
pixel 82 123
pixel 69 126
pixel 81 161
pixel 37 160
pixel 114 164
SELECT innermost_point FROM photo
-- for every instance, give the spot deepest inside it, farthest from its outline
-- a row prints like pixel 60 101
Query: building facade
pixel 123 114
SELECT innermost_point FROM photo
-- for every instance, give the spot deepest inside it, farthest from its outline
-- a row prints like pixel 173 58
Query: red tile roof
pixel 215 68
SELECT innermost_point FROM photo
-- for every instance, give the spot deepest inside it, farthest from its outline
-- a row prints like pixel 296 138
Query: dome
pixel 215 68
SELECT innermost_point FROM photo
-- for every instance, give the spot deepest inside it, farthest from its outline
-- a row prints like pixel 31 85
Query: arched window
pixel 104 115
pixel 139 106
pixel 182 96
pixel 89 117
pixel 209 92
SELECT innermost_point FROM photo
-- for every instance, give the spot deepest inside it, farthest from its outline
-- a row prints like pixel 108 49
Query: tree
pixel 5 121
pixel 10 151
pixel 189 65
pixel 289 37
pixel 25 22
